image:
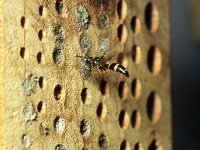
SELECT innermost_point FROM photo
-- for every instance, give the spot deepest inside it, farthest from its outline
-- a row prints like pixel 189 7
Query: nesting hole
pixel 136 119
pixel 104 88
pixel 154 107
pixel 103 141
pixel 42 83
pixel 125 145
pixel 40 58
pixel 154 60
pixel 59 92
pixel 41 35
pixel 136 25
pixel 23 21
pixel 59 147
pixel 136 88
pixel 59 6
pixel 84 95
pixel 152 17
pixel 59 124
pixel 122 59
pixel 85 128
pixel 122 33
pixel 123 90
pixel 41 107
pixel 124 119
pixel 155 145
pixel 42 11
pixel 122 9
pixel 24 53
pixel 102 111
pixel 138 146
pixel 136 54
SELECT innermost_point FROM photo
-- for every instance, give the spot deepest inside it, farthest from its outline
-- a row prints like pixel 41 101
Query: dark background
pixel 185 61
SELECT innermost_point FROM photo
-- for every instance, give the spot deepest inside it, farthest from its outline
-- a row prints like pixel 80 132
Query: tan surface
pixel 14 69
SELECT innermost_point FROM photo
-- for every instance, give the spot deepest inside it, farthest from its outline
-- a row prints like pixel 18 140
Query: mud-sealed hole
pixel 59 92
pixel 85 128
pixel 124 119
pixel 59 124
pixel 57 56
pixel 59 6
pixel 103 141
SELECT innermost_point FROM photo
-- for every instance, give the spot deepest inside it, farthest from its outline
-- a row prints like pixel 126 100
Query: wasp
pixel 101 65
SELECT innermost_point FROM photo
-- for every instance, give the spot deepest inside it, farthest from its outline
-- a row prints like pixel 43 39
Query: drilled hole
pixel 102 111
pixel 104 87
pixel 136 25
pixel 42 11
pixel 138 146
pixel 123 90
pixel 124 119
pixel 59 92
pixel 40 58
pixel 155 145
pixel 154 107
pixel 84 95
pixel 23 20
pixel 122 9
pixel 152 17
pixel 122 59
pixel 122 33
pixel 136 88
pixel 136 54
pixel 24 53
pixel 125 145
pixel 41 107
pixel 85 128
pixel 59 124
pixel 154 60
pixel 42 83
pixel 41 35
pixel 103 141
pixel 136 119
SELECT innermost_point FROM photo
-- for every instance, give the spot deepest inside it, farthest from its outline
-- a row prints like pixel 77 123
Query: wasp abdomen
pixel 118 68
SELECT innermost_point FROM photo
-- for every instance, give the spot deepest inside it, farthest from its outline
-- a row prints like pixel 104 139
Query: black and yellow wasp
pixel 101 65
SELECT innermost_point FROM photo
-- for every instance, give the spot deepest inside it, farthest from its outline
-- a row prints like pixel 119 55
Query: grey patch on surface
pixel 85 69
pixel 26 140
pixel 102 1
pixel 103 142
pixel 44 130
pixel 57 55
pixel 103 20
pixel 82 17
pixel 59 6
pixel 85 43
pixel 58 34
pixel 29 113
pixel 59 147
pixel 104 44
pixel 85 128
pixel 59 125
pixel 29 85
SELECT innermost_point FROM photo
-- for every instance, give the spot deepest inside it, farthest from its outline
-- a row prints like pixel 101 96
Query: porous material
pixel 45 102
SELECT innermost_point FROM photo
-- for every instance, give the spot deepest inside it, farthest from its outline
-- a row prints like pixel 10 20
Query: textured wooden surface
pixel 46 103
